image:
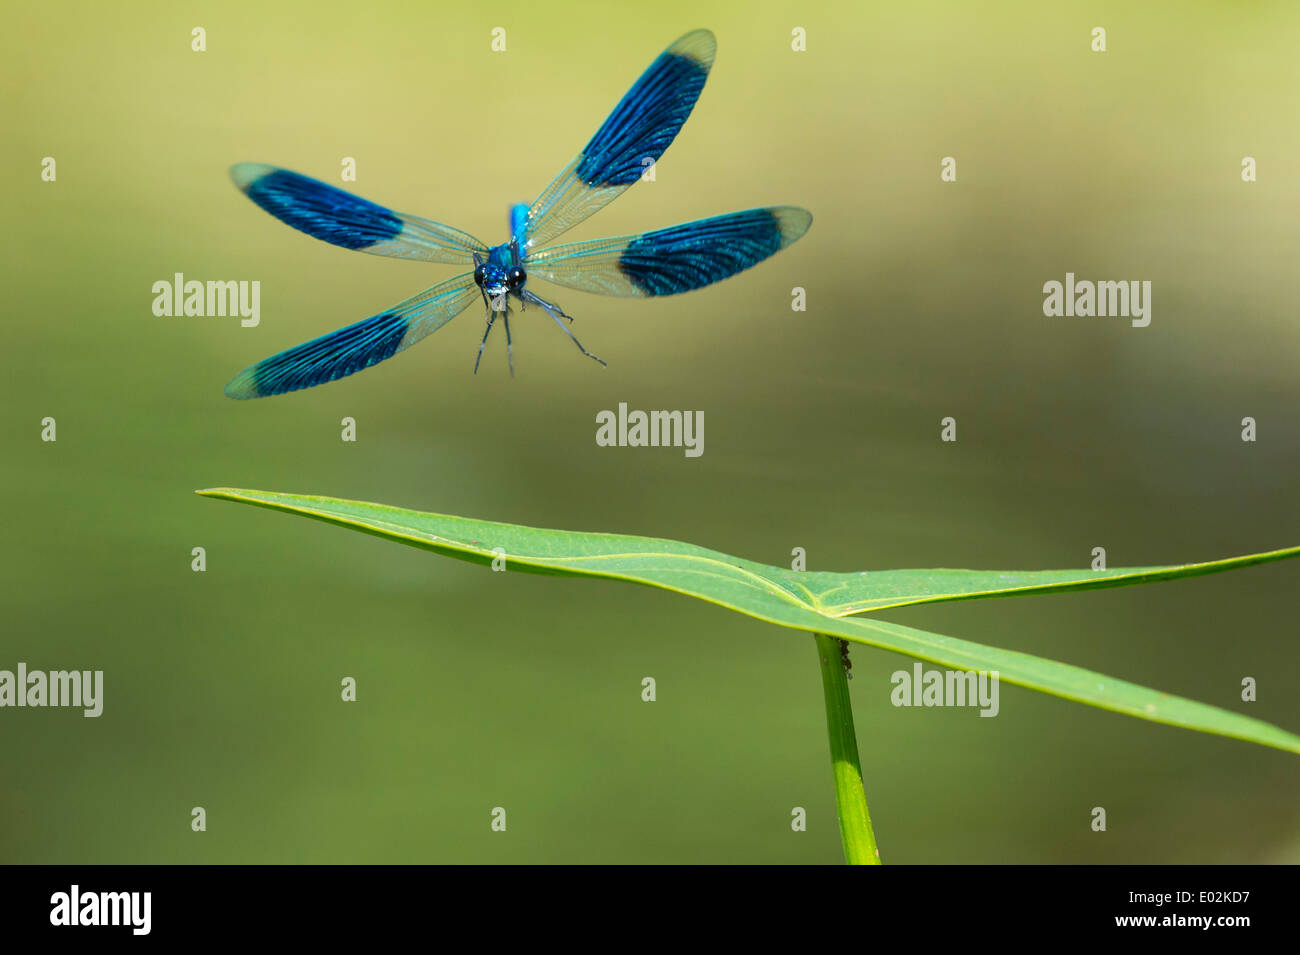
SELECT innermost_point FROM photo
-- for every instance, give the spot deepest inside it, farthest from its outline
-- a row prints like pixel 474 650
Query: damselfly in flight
pixel 663 262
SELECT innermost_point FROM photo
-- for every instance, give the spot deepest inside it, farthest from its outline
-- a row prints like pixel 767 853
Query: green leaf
pixel 819 602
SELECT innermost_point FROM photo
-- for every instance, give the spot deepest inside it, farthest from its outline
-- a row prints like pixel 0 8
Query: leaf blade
pixel 785 598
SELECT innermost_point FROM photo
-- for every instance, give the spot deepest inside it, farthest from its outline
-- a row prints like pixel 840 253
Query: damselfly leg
pixel 557 313
pixel 489 318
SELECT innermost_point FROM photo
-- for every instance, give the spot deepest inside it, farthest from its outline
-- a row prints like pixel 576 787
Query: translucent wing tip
pixel 699 45
pixel 244 174
pixel 793 223
pixel 243 385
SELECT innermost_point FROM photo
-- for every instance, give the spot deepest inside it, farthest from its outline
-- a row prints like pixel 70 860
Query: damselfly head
pixel 498 280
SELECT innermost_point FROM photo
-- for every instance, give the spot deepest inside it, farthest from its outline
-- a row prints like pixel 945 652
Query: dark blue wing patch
pixel 323 359
pixel 641 128
pixel 645 122
pixel 320 210
pixel 678 259
pixel 359 345
pixel 691 256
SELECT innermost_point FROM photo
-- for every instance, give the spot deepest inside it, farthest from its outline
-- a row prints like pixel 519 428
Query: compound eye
pixel 479 273
pixel 515 278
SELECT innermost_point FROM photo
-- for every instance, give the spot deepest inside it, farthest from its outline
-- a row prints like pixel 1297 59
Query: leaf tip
pixel 226 492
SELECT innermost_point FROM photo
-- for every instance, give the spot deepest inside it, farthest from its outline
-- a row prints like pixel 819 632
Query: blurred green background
pixel 822 431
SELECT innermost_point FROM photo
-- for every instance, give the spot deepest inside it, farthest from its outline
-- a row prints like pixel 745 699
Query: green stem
pixel 850 798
